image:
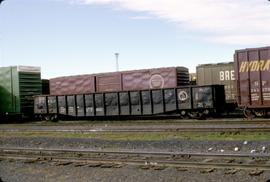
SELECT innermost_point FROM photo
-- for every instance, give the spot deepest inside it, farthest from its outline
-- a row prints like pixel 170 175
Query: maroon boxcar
pixel 72 85
pixel 121 81
pixel 108 82
pixel 252 68
pixel 155 78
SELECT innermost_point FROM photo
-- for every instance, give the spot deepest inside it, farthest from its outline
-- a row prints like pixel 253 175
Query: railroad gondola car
pixel 219 73
pixel 189 101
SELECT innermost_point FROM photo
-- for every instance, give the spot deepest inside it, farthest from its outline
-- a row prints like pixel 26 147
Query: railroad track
pixel 216 121
pixel 156 160
pixel 258 125
pixel 104 129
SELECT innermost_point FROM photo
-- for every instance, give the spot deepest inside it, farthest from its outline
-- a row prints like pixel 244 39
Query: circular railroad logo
pixel 156 81
pixel 182 95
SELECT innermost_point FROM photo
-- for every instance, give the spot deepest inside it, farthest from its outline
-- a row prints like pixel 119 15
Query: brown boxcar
pixel 72 85
pixel 120 81
pixel 108 82
pixel 220 73
pixel 252 67
pixel 155 78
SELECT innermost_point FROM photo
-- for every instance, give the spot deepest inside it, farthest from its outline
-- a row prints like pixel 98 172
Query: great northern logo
pixel 156 81
pixel 262 65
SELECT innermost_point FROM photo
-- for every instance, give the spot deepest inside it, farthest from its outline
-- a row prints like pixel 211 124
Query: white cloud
pixel 244 39
pixel 141 17
pixel 226 21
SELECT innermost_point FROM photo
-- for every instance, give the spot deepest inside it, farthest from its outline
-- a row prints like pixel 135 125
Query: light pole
pixel 1 1
pixel 117 65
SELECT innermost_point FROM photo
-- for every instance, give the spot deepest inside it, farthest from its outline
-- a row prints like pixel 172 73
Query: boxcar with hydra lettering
pixel 252 68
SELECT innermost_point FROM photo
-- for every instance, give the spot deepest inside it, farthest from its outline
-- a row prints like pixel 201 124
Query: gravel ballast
pixel 15 171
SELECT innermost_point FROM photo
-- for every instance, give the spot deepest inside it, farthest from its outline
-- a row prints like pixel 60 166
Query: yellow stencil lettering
pixel 266 66
pixel 254 65
pixel 243 66
pixel 250 64
pixel 261 64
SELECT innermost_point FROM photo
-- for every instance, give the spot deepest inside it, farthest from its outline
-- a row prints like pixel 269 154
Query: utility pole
pixel 117 65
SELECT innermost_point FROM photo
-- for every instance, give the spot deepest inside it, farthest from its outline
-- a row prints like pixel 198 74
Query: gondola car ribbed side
pixel 190 101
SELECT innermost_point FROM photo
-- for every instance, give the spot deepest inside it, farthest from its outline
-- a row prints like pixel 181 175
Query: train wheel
pixel 267 114
pixel 202 116
pixel 47 118
pixel 54 118
pixel 197 115
pixel 260 113
pixel 192 115
pixel 248 113
pixel 38 117
pixel 184 115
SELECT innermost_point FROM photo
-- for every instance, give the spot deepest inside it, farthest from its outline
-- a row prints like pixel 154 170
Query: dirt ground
pixel 11 171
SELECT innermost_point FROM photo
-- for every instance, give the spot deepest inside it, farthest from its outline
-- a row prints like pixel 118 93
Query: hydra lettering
pixel 262 65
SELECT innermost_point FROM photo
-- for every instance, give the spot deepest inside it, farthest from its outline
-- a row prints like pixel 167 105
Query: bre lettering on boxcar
pixel 226 75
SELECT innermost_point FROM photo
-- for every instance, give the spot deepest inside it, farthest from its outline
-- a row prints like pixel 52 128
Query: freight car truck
pixel 252 68
pixel 18 85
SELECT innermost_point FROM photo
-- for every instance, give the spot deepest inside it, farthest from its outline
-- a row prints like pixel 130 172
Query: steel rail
pixel 150 163
pixel 168 159
pixel 147 122
pixel 176 129
pixel 57 150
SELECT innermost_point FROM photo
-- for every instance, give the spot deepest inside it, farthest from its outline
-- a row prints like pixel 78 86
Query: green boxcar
pixel 18 85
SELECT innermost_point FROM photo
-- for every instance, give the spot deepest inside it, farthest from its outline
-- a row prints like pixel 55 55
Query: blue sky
pixel 69 37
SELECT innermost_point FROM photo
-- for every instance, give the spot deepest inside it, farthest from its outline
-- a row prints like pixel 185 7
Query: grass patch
pixel 144 136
